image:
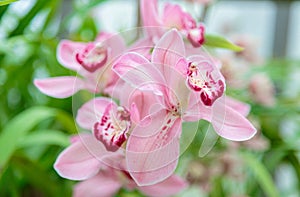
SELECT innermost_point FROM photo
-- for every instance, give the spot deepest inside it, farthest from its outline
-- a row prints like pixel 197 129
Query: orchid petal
pixel 139 72
pixel 91 111
pixel 104 184
pixel 150 16
pixel 153 149
pixel 76 162
pixel 228 123
pixel 59 87
pixel 169 187
pixel 172 16
pixel 169 49
pixel 232 125
pixel 241 107
pixel 66 52
pixel 143 47
pixel 114 42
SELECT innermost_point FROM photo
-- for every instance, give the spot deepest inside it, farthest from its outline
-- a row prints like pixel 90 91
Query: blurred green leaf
pixel 261 174
pixel 18 127
pixel 5 2
pixel 39 177
pixel 45 137
pixel 220 42
pixel 26 20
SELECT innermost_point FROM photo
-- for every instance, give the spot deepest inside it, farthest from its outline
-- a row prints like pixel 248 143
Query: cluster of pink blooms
pixel 150 88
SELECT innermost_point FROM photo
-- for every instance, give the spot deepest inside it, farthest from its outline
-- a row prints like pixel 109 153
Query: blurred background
pixel 35 128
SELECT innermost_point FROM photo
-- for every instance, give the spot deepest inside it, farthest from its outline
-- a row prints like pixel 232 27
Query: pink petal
pixel 59 87
pixel 144 102
pixel 104 184
pixel 169 187
pixel 175 17
pixel 169 50
pixel 241 107
pixel 91 111
pixel 114 43
pixel 150 16
pixel 138 71
pixel 76 162
pixel 228 123
pixel 66 53
pixel 153 149
pixel 143 47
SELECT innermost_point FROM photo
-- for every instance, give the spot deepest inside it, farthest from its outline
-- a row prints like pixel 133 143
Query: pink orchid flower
pixel 172 17
pixel 84 160
pixel 189 90
pixel 111 124
pixel 91 60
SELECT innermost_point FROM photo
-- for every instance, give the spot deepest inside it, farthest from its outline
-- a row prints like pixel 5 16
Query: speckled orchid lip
pixel 92 57
pixel 200 79
pixel 112 127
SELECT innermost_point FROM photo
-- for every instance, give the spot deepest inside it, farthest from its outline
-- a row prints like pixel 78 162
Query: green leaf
pixel 37 176
pixel 26 20
pixel 5 2
pixel 17 128
pixel 261 174
pixel 45 137
pixel 220 42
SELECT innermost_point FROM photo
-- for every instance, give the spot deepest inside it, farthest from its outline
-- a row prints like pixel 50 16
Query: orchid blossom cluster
pixel 144 92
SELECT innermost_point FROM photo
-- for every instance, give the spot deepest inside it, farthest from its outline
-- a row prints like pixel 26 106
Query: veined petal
pixel 144 102
pixel 59 87
pixel 153 149
pixel 239 106
pixel 169 49
pixel 76 162
pixel 139 72
pixel 104 184
pixel 114 42
pixel 90 112
pixel 66 51
pixel 143 46
pixel 150 16
pixel 169 187
pixel 175 17
pixel 228 123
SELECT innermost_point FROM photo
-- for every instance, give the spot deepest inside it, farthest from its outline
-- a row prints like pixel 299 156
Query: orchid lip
pixel 201 80
pixel 93 57
pixel 196 36
pixel 112 127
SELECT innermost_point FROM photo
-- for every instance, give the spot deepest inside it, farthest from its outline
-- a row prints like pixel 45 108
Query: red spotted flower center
pixel 113 126
pixel 200 78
